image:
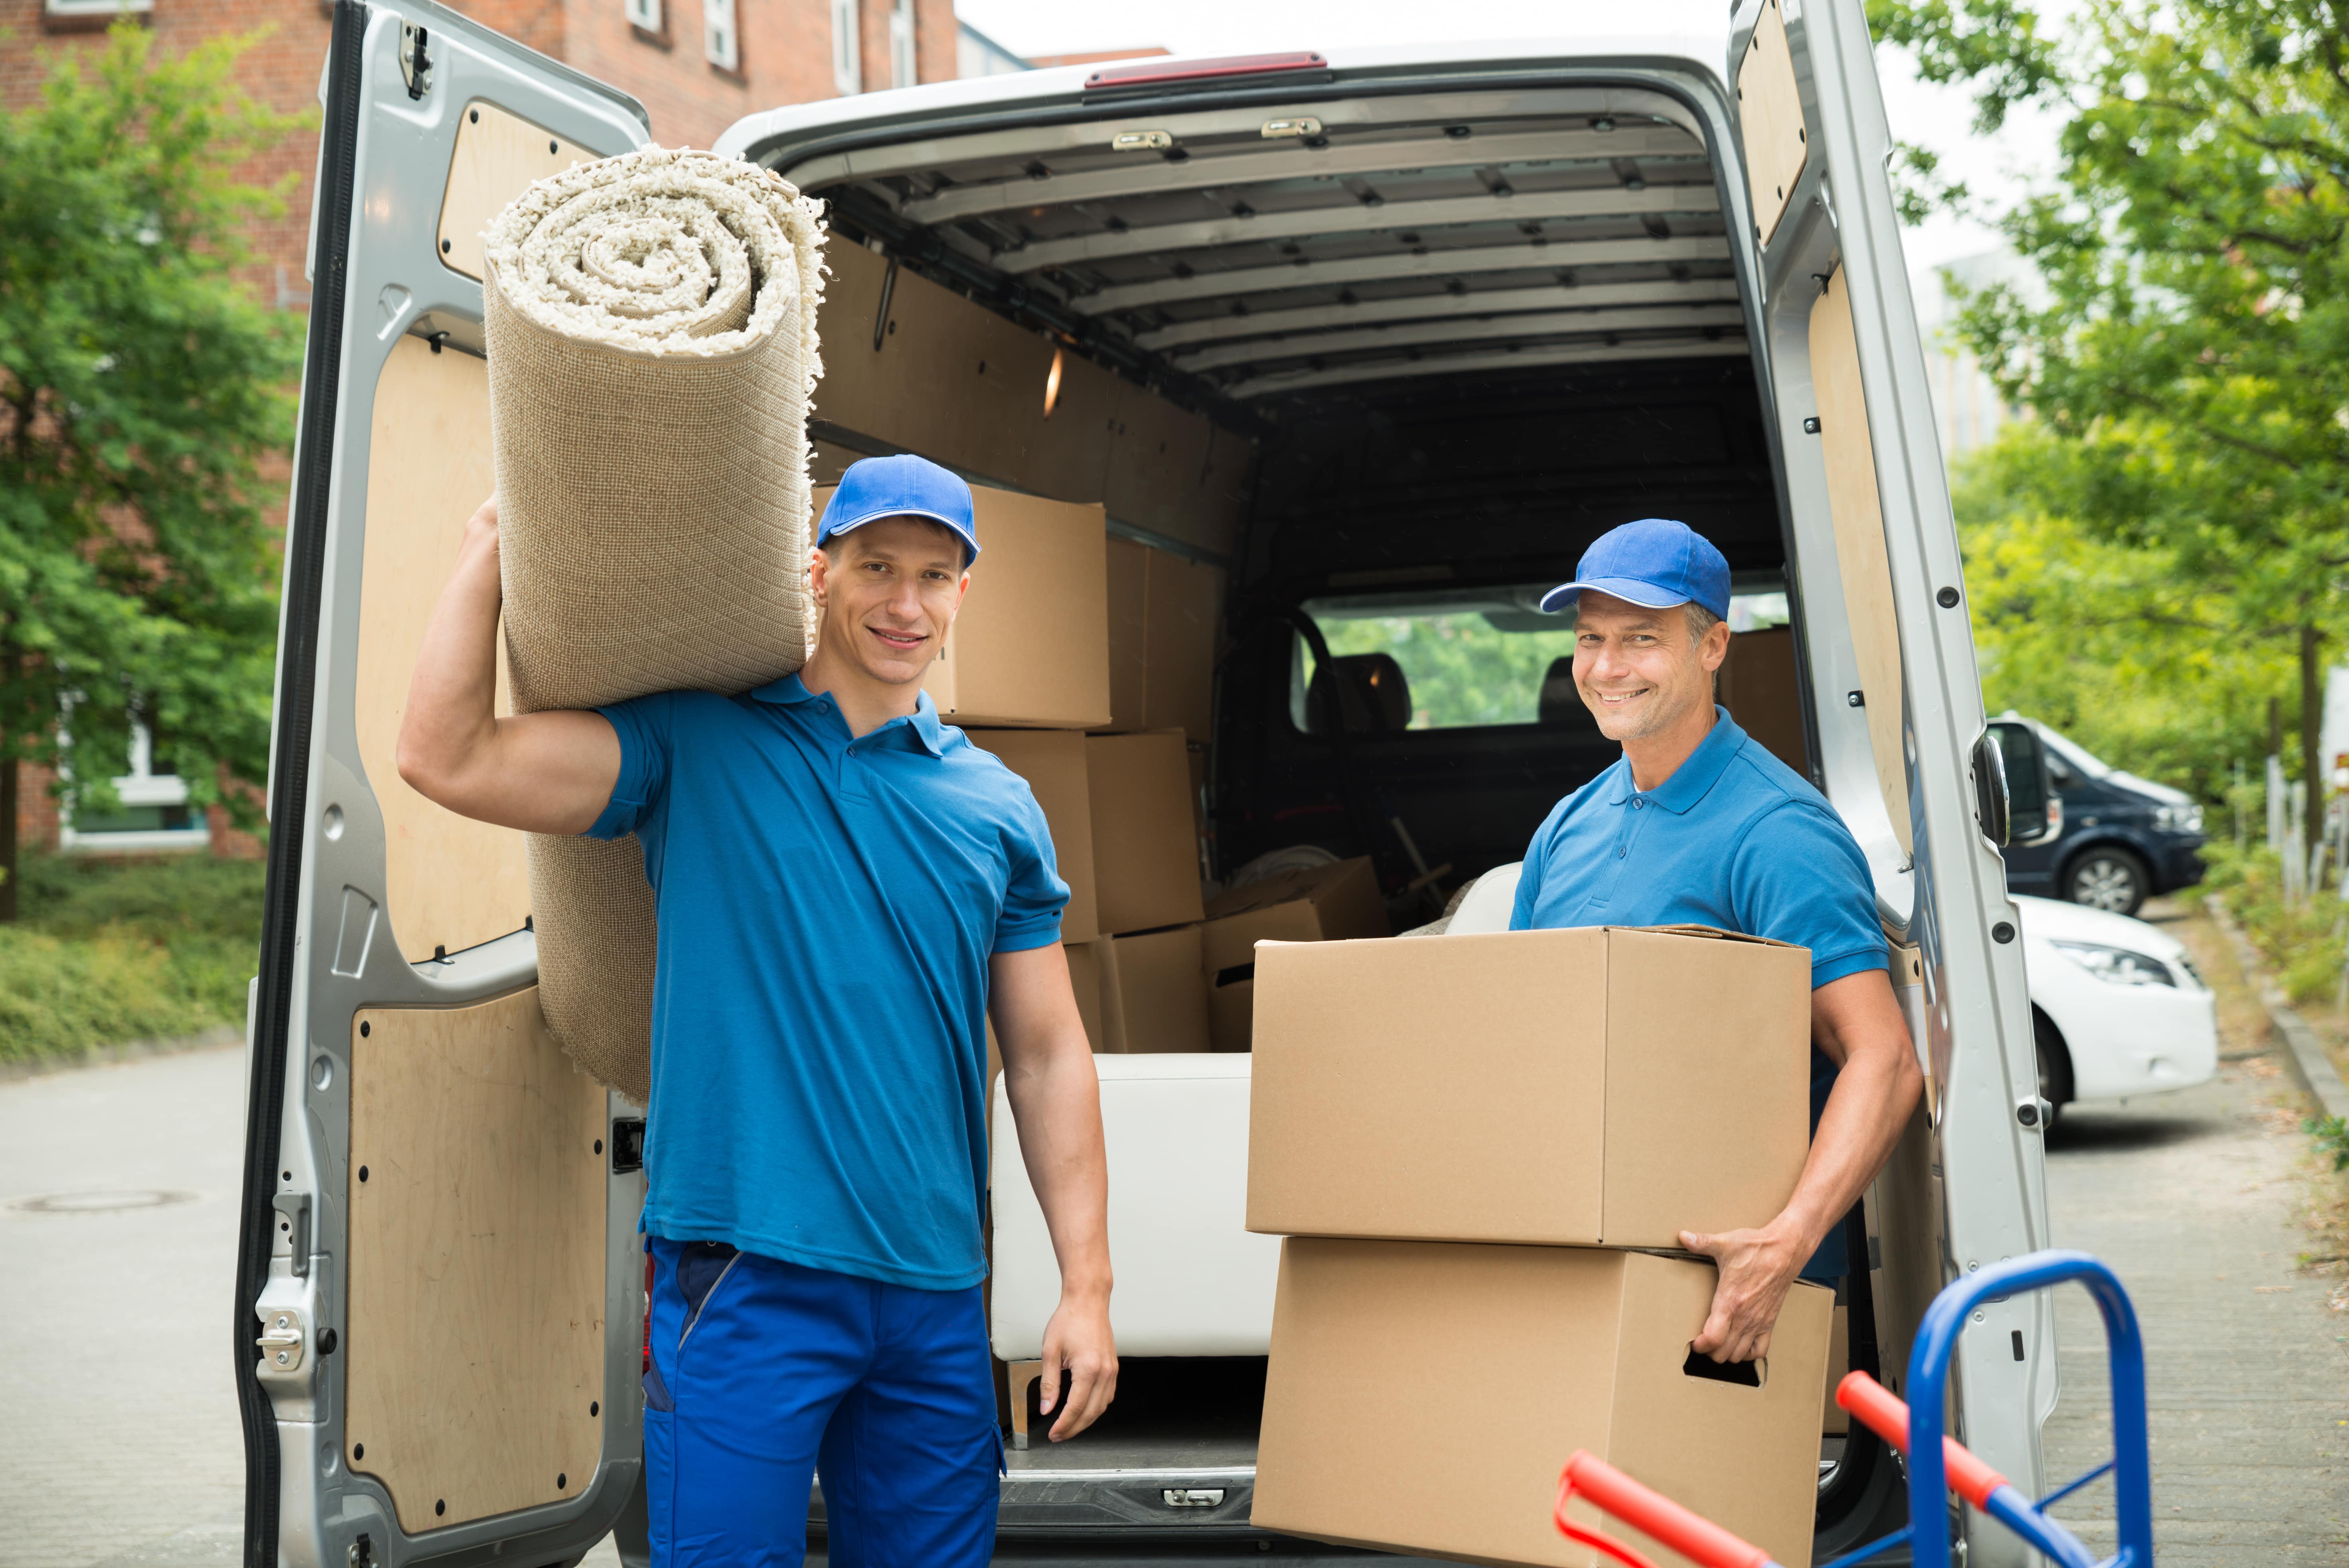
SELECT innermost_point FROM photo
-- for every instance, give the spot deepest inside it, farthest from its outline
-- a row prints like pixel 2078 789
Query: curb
pixel 131 1051
pixel 2304 1052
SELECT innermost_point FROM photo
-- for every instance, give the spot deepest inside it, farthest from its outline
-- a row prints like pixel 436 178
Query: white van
pixel 1384 336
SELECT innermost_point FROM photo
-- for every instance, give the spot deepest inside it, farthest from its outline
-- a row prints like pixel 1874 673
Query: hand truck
pixel 1936 1463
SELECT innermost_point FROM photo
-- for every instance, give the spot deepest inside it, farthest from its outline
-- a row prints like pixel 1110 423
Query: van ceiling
pixel 1262 253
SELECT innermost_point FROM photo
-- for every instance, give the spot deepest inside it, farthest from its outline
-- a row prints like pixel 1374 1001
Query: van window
pixel 1486 657
pixel 2070 751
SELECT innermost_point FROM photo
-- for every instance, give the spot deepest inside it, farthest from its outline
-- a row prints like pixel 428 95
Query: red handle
pixel 1885 1414
pixel 1699 1540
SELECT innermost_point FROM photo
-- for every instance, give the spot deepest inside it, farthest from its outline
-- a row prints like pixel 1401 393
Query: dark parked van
pixel 2123 839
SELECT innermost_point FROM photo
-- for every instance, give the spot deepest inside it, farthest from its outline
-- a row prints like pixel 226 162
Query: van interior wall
pixel 1449 483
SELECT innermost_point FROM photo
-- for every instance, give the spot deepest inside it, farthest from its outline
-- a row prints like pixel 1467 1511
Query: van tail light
pixel 1165 73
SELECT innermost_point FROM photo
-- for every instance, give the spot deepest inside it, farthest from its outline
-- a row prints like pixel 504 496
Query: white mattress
pixel 1191 1279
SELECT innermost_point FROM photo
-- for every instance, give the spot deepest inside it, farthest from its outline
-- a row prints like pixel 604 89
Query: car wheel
pixel 2109 878
pixel 2054 1065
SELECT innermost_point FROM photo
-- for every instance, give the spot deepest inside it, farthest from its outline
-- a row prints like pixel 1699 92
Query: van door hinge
pixel 282 1340
pixel 627 1145
pixel 415 65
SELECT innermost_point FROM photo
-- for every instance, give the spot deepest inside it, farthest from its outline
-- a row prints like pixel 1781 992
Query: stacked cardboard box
pixel 1464 1141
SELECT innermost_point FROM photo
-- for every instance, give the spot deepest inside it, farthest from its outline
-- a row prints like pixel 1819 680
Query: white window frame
pixel 904 65
pixel 646 14
pixel 140 786
pixel 847 48
pixel 64 9
pixel 721 45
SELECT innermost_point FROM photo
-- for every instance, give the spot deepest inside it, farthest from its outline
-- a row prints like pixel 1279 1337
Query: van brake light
pixel 1160 73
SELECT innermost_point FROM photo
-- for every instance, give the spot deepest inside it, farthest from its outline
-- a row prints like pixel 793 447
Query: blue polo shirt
pixel 828 904
pixel 1735 839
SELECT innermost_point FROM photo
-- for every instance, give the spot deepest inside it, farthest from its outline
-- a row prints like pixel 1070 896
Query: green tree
pixel 2192 333
pixel 141 388
pixel 2118 645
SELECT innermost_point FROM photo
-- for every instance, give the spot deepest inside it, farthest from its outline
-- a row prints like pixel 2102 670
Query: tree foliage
pixel 141 388
pixel 2119 646
pixel 2192 337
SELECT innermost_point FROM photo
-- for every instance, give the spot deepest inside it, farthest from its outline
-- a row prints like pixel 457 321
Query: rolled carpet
pixel 651 331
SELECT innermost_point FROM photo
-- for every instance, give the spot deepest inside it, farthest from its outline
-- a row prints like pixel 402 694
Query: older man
pixel 1699 825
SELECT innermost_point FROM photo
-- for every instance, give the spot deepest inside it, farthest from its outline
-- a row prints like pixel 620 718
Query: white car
pixel 2116 1007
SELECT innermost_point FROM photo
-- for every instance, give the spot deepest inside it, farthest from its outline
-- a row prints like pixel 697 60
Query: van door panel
pixel 475 1384
pixel 1858 517
pixel 450 882
pixel 496 155
pixel 1968 1185
pixel 484 1283
pixel 1770 115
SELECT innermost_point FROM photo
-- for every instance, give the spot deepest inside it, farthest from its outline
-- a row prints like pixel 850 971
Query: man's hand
pixel 1079 1339
pixel 1758 1269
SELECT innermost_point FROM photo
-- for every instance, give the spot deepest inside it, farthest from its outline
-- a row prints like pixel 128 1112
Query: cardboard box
pixel 1029 648
pixel 1145 838
pixel 1601 1086
pixel 1759 685
pixel 1314 904
pixel 1053 763
pixel 1162 614
pixel 1085 979
pixel 1153 997
pixel 1475 1371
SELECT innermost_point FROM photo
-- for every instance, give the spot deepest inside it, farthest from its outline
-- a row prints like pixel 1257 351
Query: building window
pixel 647 16
pixel 719 43
pixel 152 811
pixel 848 49
pixel 901 43
pixel 73 14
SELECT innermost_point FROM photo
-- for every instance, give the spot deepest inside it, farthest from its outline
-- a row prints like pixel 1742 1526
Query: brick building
pixel 697 66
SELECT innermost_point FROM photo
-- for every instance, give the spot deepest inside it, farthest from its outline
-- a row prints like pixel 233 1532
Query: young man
pixel 846 889
pixel 1697 825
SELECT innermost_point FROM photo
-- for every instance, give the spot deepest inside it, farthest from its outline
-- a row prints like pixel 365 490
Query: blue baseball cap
pixel 1654 563
pixel 900 486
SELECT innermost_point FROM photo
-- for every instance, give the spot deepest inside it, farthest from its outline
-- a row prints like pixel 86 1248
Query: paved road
pixel 120 1445
pixel 2198 1198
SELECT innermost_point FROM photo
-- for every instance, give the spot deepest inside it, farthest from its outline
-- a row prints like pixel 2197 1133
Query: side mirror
pixel 2035 812
pixel 1993 809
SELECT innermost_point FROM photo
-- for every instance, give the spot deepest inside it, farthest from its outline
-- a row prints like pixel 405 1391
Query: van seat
pixel 1561 706
pixel 1371 693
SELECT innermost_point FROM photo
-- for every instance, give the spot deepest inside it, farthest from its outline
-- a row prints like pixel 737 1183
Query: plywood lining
pixel 1769 113
pixel 497 156
pixel 1860 556
pixel 450 882
pixel 475 1328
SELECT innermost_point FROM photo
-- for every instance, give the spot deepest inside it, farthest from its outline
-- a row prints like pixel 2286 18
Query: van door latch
pixel 627 1145
pixel 415 65
pixel 1193 1496
pixel 280 1341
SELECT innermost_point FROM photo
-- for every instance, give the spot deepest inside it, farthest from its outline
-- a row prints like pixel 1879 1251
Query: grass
pixel 108 951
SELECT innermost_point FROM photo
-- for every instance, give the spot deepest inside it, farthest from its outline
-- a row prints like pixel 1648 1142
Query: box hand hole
pixel 1744 1373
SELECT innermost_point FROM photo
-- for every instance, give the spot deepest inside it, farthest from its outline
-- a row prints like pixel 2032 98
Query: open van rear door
pixel 438 1294
pixel 1877 570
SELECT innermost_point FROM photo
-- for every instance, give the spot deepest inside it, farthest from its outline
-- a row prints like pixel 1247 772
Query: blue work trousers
pixel 765 1374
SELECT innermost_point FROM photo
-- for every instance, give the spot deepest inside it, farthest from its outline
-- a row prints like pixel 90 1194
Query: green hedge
pixel 106 952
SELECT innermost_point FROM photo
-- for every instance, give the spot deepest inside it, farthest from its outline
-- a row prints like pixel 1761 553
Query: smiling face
pixel 888 590
pixel 1639 671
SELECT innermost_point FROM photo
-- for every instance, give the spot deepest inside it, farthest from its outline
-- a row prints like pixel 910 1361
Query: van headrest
pixel 1561 705
pixel 1370 690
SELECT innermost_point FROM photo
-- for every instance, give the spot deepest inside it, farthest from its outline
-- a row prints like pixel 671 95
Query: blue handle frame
pixel 1928 1374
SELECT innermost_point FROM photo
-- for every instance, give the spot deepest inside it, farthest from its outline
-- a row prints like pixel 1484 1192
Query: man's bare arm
pixel 545 772
pixel 1858 1024
pixel 1048 1074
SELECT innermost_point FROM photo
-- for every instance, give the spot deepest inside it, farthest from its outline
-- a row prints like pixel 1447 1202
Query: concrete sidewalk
pixel 2198 1200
